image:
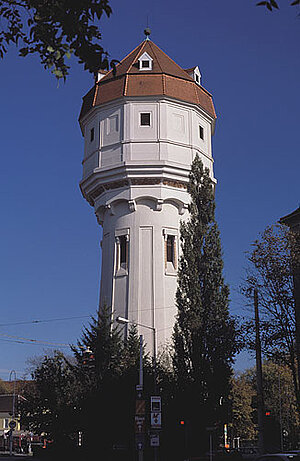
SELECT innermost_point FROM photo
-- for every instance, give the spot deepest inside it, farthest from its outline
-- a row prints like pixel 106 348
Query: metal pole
pixel 141 362
pixel 210 447
pixel 141 451
pixel 259 381
pixel 13 413
pixel 154 360
pixel 155 381
pixel 280 412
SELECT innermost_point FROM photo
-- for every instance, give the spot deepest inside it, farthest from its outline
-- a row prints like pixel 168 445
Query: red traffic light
pixel 268 413
pixel 181 422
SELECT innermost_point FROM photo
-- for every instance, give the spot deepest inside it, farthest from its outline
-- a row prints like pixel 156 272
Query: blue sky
pixel 49 251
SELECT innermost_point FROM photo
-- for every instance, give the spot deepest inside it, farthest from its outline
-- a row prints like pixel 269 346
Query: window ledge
pixel 170 270
pixel 121 272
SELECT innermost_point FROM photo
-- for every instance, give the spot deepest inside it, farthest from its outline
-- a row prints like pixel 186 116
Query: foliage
pixel 272 4
pixel 270 272
pixel 68 394
pixel 55 29
pixel 205 336
pixel 50 405
pixel 241 398
pixel 279 399
pixel 4 387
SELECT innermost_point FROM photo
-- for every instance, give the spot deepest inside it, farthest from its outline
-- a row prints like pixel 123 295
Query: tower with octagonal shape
pixel 143 124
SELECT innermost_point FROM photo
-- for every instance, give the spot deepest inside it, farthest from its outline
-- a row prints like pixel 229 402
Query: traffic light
pixel 271 432
pixel 182 422
pixel 88 358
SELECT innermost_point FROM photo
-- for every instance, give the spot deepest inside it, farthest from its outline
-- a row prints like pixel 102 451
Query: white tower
pixel 142 127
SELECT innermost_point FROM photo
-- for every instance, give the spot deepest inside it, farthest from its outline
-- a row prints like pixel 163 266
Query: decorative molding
pixel 132 205
pixel 100 215
pixel 182 209
pixel 111 185
pixel 173 183
pixel 145 181
pixel 91 196
pixel 110 208
pixel 159 204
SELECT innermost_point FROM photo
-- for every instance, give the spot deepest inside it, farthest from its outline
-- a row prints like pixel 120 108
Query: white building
pixel 142 127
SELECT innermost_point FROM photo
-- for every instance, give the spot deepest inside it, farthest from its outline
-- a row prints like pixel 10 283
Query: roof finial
pixel 147 31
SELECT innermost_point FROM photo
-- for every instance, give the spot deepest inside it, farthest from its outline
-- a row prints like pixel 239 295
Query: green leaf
pixel 23 52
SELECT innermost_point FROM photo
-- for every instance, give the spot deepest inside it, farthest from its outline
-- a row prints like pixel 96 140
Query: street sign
pixel 139 424
pixel 12 424
pixel 156 403
pixel 139 441
pixel 156 419
pixel 140 407
pixel 154 440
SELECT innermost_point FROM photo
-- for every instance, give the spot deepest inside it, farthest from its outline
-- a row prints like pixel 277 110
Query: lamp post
pixel 124 321
pixel 13 411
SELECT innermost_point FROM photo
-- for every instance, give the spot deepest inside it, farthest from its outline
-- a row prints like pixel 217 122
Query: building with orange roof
pixel 143 123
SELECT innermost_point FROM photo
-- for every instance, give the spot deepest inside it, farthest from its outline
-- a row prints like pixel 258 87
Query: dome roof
pixel 163 78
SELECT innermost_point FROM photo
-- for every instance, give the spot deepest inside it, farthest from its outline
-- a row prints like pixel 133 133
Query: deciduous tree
pixel 54 30
pixel 270 272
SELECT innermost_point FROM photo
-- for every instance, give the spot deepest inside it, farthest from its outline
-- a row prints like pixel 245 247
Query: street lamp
pixel 124 321
pixel 13 412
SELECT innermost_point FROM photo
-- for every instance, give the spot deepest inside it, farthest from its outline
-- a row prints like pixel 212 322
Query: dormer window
pixel 195 73
pixel 145 62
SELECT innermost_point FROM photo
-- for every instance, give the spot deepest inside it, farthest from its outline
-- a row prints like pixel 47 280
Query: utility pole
pixel 259 379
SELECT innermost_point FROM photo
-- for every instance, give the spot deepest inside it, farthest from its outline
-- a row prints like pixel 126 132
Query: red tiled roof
pixel 165 78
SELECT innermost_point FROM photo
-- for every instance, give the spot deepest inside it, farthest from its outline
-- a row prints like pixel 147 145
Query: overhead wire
pixel 42 321
pixel 30 340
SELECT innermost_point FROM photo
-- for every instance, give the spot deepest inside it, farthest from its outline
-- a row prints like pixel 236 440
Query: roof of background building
pixel 7 401
pixel 292 220
pixel 165 78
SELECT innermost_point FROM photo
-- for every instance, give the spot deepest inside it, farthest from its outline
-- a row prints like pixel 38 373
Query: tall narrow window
pixel 201 132
pixel 123 251
pixel 171 249
pixel 92 134
pixel 145 119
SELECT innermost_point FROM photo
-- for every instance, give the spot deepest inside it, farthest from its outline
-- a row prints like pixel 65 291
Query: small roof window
pixel 145 62
pixel 195 73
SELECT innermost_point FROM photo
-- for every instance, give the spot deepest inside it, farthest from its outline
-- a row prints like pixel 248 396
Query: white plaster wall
pixel 146 293
pixel 172 136
pixel 122 149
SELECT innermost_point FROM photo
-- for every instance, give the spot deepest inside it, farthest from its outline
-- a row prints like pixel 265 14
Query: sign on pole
pixel 139 424
pixel 12 424
pixel 156 420
pixel 156 403
pixel 154 440
pixel 140 407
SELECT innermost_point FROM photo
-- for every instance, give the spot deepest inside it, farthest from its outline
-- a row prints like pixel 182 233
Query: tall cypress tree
pixel 204 333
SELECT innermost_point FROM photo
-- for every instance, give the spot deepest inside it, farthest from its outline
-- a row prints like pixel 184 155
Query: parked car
pixel 279 457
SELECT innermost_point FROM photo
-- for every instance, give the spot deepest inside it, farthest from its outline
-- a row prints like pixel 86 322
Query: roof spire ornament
pixel 147 32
